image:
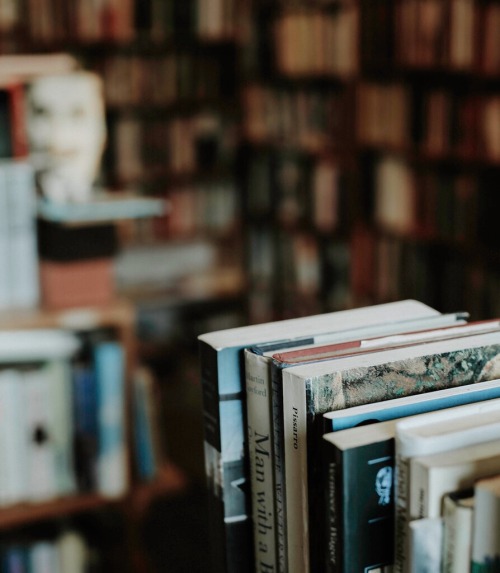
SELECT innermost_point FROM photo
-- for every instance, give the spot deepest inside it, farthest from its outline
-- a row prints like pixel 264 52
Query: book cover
pixel 226 458
pixel 312 389
pixel 486 525
pixel 358 468
pixel 112 471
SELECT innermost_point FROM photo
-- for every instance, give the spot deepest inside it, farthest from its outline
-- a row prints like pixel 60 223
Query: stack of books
pixel 360 440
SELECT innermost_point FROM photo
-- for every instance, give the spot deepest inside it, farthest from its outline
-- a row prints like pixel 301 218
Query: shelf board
pixel 82 318
pixel 169 481
pixel 27 514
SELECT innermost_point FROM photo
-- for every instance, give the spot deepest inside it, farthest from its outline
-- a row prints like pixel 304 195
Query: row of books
pixel 297 271
pixel 302 378
pixel 163 79
pixel 157 21
pixel 63 428
pixel 67 552
pixel 459 34
pixel 435 122
pixel 430 203
pixel 153 148
pixel 387 267
pixel 295 189
pixel 307 118
pixel 211 209
pixel 310 43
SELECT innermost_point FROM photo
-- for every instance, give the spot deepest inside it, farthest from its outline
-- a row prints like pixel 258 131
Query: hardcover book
pixel 226 458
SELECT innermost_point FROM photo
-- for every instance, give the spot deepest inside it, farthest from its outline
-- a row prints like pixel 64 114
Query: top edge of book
pixel 297 328
pixel 417 331
pixel 378 357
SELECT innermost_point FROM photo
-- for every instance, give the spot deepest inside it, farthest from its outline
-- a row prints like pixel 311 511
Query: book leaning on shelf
pixel 223 383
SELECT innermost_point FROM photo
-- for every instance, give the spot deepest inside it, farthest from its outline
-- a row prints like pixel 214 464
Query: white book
pixel 23 268
pixel 426 537
pixel 311 390
pixel 458 511
pixel 72 552
pixel 486 525
pixel 4 245
pixel 13 449
pixel 58 373
pixel 44 558
pixel 431 477
pixel 37 345
pixel 435 433
pixel 42 480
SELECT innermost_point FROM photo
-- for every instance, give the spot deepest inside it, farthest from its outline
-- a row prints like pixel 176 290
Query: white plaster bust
pixel 67 132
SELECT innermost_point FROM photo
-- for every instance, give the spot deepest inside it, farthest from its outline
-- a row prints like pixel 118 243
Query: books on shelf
pixel 448 385
pixel 226 457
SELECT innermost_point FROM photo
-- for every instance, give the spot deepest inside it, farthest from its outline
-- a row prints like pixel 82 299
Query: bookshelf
pixel 133 502
pixel 299 178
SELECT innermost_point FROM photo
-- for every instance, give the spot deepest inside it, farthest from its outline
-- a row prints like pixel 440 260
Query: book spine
pixel 401 519
pixel 13 457
pixel 85 426
pixel 42 481
pixel 59 378
pixel 333 504
pixel 279 466
pixel 112 458
pixel 5 300
pixel 295 440
pixel 259 435
pixel 226 459
pixel 146 459
pixel 486 522
pixel 457 535
pixel 24 282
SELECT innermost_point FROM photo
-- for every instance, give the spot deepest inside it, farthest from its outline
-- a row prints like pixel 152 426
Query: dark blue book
pixel 85 426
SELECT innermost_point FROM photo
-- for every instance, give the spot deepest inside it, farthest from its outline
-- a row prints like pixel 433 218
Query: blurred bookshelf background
pixel 262 159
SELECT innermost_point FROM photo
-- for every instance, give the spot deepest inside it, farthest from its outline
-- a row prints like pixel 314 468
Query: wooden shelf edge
pixel 169 481
pixel 30 513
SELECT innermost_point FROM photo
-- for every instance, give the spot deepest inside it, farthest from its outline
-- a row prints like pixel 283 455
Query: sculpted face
pixel 67 132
